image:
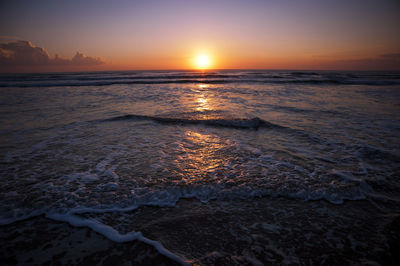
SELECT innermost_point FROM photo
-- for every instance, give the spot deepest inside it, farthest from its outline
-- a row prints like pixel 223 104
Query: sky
pixel 44 35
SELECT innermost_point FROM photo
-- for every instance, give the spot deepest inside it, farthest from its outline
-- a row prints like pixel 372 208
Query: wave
pixel 254 123
pixel 201 81
pixel 221 77
pixel 119 77
pixel 303 73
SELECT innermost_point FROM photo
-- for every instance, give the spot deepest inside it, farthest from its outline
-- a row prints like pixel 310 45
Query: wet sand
pixel 41 241
pixel 269 231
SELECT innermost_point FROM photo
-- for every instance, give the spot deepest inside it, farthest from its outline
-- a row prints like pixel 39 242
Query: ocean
pixel 228 167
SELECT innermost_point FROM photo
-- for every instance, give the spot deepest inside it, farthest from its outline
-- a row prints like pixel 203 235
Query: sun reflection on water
pixel 202 103
pixel 202 158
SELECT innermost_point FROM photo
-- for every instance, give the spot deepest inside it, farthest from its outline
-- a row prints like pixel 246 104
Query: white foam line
pixel 114 235
pixel 104 210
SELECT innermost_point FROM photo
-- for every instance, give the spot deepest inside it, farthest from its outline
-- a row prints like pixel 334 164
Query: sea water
pixel 77 147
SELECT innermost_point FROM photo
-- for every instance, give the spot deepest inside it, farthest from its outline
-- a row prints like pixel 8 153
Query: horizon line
pixel 197 70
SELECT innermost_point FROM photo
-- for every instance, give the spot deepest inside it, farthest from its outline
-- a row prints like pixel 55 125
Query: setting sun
pixel 203 62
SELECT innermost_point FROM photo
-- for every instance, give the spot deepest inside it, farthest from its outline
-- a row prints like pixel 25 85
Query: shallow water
pixel 83 145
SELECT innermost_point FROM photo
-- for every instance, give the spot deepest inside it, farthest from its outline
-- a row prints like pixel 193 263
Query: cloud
pixel 389 61
pixel 8 37
pixel 83 60
pixel 393 56
pixel 24 53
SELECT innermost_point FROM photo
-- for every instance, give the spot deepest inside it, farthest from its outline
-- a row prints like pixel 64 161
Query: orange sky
pixel 304 34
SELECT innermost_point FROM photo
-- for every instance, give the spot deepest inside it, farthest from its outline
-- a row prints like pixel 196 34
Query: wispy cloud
pixel 24 53
pixel 8 37
pixel 392 56
pixel 387 61
pixel 390 61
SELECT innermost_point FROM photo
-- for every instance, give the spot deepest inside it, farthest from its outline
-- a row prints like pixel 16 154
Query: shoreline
pixel 265 230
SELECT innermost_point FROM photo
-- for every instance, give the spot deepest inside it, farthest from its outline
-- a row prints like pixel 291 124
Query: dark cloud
pixel 24 53
pixel 389 61
pixel 394 56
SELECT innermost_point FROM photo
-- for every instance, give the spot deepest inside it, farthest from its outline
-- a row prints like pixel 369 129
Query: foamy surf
pixel 114 235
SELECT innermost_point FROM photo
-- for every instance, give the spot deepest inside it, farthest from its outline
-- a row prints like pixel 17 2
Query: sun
pixel 203 61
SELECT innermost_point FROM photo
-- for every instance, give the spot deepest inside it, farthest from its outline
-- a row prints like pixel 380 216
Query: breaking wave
pixel 254 123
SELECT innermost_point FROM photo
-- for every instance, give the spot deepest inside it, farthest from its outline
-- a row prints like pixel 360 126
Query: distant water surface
pixel 77 146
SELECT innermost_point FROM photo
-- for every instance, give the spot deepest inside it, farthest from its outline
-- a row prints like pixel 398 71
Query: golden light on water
pixel 202 102
pixel 201 159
